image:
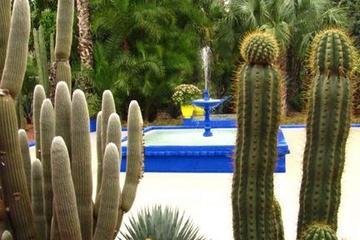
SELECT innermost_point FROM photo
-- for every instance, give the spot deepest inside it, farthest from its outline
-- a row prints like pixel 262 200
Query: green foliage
pixel 292 22
pixel 161 224
pixel 149 47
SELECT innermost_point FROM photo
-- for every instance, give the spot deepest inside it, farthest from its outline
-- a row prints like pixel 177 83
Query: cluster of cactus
pixel 52 198
pixel 70 153
pixel 327 130
pixel 328 124
pixel 255 210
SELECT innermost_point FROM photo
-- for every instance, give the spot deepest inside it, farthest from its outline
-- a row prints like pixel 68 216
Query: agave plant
pixel 158 223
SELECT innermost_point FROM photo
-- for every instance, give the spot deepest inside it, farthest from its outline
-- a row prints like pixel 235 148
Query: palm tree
pixel 85 46
pixel 152 46
pixel 293 22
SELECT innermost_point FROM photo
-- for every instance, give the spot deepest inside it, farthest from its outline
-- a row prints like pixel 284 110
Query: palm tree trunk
pixel 85 43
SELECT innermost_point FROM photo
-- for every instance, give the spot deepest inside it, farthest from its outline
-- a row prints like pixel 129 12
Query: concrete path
pixel 206 197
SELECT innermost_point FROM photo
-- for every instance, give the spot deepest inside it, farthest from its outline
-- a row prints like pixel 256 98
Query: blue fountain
pixel 206 102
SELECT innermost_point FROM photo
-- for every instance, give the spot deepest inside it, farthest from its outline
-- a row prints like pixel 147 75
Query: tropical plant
pixel 149 46
pixel 292 24
pixel 185 93
pixel 160 223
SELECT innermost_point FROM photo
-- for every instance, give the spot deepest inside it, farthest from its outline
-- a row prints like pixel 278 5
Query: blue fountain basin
pixel 184 149
pixel 207 102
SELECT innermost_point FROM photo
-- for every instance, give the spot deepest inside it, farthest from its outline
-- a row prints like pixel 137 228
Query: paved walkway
pixel 206 197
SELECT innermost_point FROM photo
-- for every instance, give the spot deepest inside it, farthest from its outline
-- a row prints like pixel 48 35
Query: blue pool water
pixel 184 149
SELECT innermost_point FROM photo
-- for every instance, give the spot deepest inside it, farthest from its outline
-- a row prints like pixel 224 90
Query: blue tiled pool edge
pixel 197 159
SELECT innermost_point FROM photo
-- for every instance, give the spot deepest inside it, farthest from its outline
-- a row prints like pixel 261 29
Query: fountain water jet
pixel 206 102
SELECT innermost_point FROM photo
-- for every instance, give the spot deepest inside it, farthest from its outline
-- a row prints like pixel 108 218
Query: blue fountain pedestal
pixel 207 104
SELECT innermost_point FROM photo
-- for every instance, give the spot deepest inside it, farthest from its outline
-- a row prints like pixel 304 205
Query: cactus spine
pixel 64 193
pixel 37 197
pixel 328 126
pixel 319 232
pixel 81 162
pixel 259 108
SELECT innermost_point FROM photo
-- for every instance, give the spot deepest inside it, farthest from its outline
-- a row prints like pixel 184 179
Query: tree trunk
pixel 85 44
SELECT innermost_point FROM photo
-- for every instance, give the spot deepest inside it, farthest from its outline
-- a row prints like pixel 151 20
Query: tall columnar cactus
pixel 107 108
pixel 110 194
pixel 328 126
pixel 13 178
pixel 81 162
pixel 41 57
pixel 134 161
pixel 64 28
pixel 17 49
pixel 25 153
pixel 38 98
pixel 47 133
pixel 319 231
pixel 64 192
pixel 62 108
pixel 5 16
pixel 259 107
pixel 37 197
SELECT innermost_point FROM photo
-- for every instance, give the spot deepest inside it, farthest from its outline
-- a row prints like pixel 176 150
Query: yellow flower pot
pixel 187 110
pixel 198 111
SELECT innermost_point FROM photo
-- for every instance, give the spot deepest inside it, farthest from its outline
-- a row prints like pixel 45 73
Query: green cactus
pixel 278 224
pixel 17 50
pixel 107 108
pixel 13 177
pixel 135 158
pixel 12 173
pixel 62 108
pixel 319 232
pixel 64 192
pixel 113 133
pixel 5 17
pixel 327 130
pixel 64 30
pixel 37 197
pixel 81 162
pixel 39 97
pixel 110 194
pixel 332 52
pixel 52 48
pixel 47 133
pixel 25 156
pixel 258 114
pixel 99 149
pixel 41 57
pixel 259 47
